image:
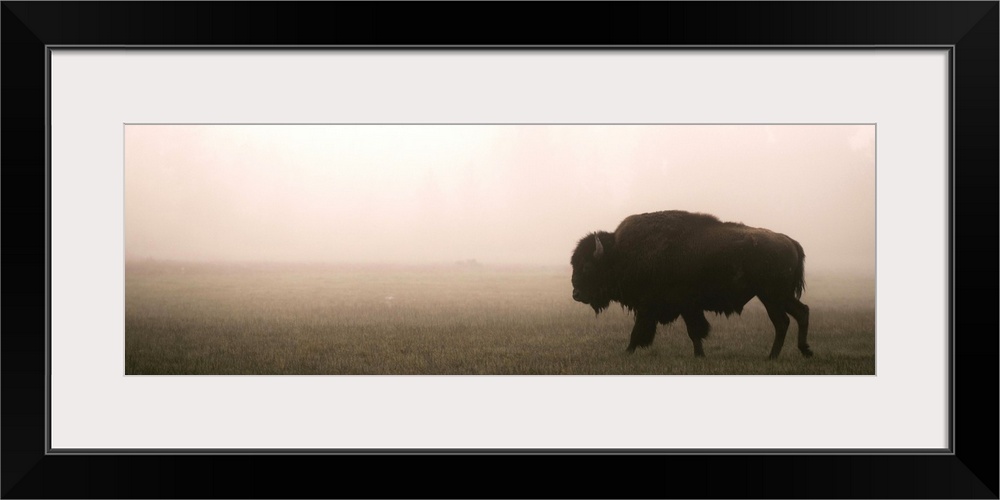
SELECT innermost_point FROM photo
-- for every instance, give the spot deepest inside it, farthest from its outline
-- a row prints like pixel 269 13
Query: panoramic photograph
pixel 500 249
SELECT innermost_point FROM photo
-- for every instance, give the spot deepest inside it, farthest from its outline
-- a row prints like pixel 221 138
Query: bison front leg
pixel 643 331
pixel 697 327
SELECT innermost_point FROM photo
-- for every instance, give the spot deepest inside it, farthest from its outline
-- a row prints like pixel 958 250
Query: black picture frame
pixel 970 29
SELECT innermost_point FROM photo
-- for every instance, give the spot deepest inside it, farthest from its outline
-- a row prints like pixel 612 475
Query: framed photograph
pixel 736 252
pixel 245 253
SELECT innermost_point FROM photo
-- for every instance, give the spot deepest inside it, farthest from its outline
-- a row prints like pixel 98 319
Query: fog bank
pixel 499 194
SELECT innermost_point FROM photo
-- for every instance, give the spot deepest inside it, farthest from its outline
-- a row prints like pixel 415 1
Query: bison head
pixel 590 263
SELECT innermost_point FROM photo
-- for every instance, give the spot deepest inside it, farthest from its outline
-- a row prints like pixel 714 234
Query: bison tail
pixel 799 275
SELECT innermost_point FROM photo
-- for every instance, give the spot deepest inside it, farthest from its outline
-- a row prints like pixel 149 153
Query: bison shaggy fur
pixel 671 264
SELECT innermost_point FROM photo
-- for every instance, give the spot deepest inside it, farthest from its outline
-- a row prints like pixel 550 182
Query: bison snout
pixel 577 296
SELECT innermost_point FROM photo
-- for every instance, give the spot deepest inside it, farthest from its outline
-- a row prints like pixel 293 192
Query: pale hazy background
pixel 499 194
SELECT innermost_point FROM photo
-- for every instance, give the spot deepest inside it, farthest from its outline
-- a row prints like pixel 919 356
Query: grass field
pixel 183 318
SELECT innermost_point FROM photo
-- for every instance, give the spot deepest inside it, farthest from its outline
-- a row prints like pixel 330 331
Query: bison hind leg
pixel 779 316
pixel 800 312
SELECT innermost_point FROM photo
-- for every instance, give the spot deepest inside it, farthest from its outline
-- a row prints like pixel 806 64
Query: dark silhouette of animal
pixel 666 265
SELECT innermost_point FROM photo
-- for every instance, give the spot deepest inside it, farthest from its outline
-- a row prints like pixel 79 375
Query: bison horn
pixel 600 248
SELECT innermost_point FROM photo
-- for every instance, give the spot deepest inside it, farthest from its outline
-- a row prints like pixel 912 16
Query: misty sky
pixel 504 194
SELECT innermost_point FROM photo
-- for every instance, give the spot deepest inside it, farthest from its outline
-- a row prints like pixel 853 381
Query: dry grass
pixel 331 320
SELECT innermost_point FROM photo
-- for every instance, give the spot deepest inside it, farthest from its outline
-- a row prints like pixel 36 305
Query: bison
pixel 671 264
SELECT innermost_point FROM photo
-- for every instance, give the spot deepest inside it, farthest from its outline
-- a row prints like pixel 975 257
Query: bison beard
pixel 666 265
